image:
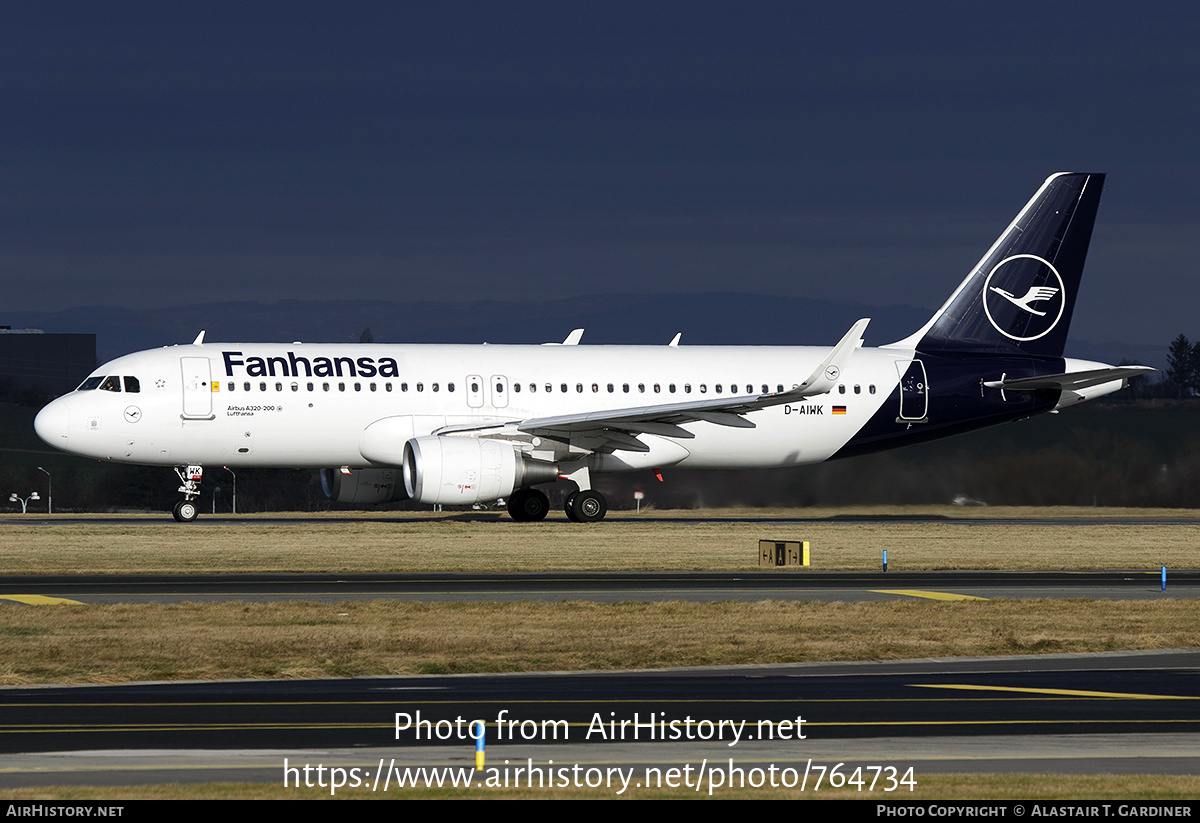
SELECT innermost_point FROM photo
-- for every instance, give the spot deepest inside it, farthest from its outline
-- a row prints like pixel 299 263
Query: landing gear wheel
pixel 185 511
pixel 528 505
pixel 569 507
pixel 588 507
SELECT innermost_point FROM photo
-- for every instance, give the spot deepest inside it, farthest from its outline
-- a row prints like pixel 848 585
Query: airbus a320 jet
pixel 465 424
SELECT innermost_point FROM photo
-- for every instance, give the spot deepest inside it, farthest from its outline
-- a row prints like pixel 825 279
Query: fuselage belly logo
pixel 1024 297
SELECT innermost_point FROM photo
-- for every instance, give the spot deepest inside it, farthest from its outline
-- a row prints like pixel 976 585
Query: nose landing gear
pixel 185 510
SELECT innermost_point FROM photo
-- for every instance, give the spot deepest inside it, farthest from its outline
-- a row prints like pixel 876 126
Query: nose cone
pixel 53 424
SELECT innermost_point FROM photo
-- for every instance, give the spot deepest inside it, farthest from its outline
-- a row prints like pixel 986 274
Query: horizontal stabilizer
pixel 1071 381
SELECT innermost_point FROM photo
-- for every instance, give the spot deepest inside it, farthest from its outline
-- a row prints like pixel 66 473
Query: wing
pixel 618 429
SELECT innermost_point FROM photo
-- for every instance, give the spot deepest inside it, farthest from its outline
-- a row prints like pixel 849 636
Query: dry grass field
pixel 217 641
pixel 669 541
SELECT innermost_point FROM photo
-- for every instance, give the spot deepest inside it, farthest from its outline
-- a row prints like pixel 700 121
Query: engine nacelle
pixel 363 485
pixel 460 471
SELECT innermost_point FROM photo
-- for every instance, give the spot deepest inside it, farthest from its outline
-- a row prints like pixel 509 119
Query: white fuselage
pixel 288 405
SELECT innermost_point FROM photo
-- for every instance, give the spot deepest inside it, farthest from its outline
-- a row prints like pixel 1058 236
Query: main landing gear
pixel 185 510
pixel 585 506
pixel 528 505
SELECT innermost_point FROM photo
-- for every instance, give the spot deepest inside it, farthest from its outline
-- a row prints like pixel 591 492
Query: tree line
pixel 1183 367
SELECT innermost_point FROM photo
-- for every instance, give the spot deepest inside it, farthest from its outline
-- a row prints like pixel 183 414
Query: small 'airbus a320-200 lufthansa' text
pixel 465 424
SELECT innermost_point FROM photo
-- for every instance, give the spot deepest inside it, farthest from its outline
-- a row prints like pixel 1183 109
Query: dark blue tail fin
pixel 1019 299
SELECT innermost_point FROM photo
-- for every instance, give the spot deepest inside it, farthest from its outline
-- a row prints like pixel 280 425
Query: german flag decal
pixel 839 409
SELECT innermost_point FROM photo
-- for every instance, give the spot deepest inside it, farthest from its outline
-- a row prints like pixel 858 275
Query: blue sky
pixel 163 154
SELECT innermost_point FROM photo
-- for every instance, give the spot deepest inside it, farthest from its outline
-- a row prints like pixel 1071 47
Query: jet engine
pixel 363 485
pixel 458 471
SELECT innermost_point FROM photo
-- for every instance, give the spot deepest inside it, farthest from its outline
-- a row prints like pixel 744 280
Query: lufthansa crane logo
pixel 1024 297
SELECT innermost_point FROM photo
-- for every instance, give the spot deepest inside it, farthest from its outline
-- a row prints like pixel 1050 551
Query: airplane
pixel 470 424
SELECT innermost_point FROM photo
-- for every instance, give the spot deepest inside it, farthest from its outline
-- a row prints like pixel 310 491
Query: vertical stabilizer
pixel 1019 298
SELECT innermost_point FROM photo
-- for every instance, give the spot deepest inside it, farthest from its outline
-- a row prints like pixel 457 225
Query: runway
pixel 1108 713
pixel 609 587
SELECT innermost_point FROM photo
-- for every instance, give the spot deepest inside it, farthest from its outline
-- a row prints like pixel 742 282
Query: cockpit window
pixel 132 384
pixel 111 383
pixel 90 384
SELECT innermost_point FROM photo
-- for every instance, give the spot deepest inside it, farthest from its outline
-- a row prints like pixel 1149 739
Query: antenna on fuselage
pixel 199 341
pixel 571 339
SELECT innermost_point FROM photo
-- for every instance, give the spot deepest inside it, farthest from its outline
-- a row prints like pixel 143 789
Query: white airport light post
pixel 24 501
pixel 49 491
pixel 226 468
